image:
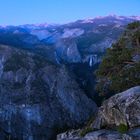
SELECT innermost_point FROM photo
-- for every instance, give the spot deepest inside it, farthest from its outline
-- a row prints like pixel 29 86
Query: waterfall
pixel 93 59
pixel 90 61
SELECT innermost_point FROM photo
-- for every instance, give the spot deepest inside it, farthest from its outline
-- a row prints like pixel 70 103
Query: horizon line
pixel 51 23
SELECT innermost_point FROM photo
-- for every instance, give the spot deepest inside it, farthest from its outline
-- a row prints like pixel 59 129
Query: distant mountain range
pixel 79 41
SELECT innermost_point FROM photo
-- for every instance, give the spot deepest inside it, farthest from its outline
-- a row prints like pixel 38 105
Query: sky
pixel 18 12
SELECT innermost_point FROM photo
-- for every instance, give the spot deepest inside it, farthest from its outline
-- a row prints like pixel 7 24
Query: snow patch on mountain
pixel 89 20
pixel 72 32
pixel 41 34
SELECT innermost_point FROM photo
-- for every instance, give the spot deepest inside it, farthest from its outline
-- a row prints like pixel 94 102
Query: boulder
pixel 102 134
pixel 69 135
pixel 122 108
pixel 133 134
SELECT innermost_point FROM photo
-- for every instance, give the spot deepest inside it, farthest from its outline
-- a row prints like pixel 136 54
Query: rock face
pixel 70 135
pixel 123 108
pixel 101 135
pixel 71 33
pixel 67 51
pixel 37 98
pixel 96 135
pixel 133 134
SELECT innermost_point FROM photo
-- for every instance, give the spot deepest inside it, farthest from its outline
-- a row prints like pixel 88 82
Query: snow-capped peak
pixel 135 17
pixel 3 26
pixel 89 20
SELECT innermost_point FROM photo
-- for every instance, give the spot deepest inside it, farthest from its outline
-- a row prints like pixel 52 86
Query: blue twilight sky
pixel 15 12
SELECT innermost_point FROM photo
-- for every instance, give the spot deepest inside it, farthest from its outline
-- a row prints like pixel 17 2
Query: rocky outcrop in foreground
pixel 37 98
pixel 118 119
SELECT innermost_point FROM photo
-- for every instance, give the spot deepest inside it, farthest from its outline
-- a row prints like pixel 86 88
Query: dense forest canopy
pixel 120 68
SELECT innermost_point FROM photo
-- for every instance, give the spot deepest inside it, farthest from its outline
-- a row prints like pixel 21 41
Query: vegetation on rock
pixel 88 128
pixel 85 131
pixel 122 128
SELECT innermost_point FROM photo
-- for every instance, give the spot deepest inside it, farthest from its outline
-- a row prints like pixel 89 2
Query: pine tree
pixel 119 70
